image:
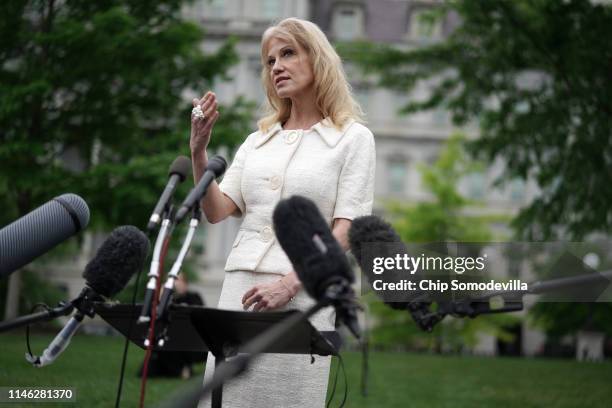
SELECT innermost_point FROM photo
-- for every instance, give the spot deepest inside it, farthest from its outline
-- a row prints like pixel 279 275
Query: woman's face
pixel 290 70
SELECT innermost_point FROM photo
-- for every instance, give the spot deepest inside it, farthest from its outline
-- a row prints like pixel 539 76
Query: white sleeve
pixel 231 185
pixel 356 182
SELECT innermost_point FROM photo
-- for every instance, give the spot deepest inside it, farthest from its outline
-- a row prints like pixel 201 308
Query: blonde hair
pixel 333 96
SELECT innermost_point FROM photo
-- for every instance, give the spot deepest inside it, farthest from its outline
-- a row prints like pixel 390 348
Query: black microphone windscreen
pixel 371 237
pixel 42 229
pixel 307 240
pixel 181 166
pixel 370 229
pixel 120 256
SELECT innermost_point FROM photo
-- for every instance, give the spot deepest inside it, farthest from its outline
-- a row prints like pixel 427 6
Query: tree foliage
pixel 441 219
pixel 536 76
pixel 92 102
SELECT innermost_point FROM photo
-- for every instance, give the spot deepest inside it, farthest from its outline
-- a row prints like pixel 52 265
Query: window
pixel 440 117
pixel 362 95
pixel 257 91
pixel 517 191
pixel 476 186
pixel 214 8
pixel 348 23
pixel 396 175
pixel 271 9
pixel 515 253
pixel 423 26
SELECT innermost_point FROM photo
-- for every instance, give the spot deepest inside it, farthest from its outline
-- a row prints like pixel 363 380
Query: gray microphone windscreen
pixel 42 229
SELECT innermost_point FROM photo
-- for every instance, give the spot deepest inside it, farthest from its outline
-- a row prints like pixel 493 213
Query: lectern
pixel 222 332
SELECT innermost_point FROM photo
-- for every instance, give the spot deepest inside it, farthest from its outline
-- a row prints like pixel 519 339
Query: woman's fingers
pixel 248 294
pixel 209 107
pixel 207 97
pixel 261 306
pixel 210 121
pixel 251 300
pixel 200 101
pixel 250 297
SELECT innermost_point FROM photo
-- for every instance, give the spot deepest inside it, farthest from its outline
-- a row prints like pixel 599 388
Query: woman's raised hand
pixel 203 117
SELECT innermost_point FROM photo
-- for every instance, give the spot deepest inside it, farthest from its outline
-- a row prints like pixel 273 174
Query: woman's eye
pixel 270 62
pixel 287 52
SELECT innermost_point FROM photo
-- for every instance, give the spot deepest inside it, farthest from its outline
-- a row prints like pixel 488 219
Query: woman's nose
pixel 277 67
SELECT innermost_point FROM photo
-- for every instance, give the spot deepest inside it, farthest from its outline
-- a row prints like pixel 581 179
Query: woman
pixel 311 145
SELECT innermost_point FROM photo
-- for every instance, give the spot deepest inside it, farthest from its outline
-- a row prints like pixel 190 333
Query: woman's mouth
pixel 281 80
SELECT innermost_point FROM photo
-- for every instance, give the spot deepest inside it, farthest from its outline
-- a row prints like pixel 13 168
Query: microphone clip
pixel 341 296
pixel 84 303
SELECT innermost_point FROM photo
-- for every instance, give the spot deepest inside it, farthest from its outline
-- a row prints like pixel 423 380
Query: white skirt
pixel 273 380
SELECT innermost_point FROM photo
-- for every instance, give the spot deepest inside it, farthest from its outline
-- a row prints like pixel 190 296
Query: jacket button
pixel 275 182
pixel 266 234
pixel 291 137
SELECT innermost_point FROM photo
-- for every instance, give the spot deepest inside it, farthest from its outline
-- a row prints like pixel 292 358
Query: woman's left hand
pixel 267 296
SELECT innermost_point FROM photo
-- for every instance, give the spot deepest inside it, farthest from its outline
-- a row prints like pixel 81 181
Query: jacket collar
pixel 325 129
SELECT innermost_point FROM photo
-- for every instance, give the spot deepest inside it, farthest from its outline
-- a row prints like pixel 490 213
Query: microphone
pixel 371 236
pixel 316 256
pixel 178 172
pixel 41 230
pixel 120 256
pixel 381 240
pixel 216 167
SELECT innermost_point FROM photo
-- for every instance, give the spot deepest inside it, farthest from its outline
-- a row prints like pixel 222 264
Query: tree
pixel 535 76
pixel 441 219
pixel 91 102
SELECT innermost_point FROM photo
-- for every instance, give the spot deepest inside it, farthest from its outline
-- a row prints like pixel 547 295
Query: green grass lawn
pixel 91 365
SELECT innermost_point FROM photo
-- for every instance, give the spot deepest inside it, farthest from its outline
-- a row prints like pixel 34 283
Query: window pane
pixel 397 176
pixel 517 190
pixel 476 186
pixel 271 8
pixel 216 8
pixel 346 24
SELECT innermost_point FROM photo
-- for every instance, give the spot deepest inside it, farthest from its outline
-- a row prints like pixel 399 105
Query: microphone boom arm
pixel 494 302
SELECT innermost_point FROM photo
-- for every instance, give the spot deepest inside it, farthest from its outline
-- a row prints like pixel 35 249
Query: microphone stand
pixel 168 290
pixel 83 303
pixel 63 309
pixel 164 232
pixel 335 294
pixel 496 301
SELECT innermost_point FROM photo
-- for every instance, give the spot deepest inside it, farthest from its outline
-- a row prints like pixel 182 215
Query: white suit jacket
pixel 333 168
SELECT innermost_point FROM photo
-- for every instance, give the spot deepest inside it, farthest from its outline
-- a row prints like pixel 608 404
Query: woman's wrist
pixel 286 286
pixel 199 156
pixel 199 160
pixel 291 283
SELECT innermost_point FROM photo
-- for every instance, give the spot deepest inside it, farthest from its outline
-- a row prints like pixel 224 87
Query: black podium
pixel 222 332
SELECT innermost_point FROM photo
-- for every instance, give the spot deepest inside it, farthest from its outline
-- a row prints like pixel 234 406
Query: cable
pixel 365 352
pixel 127 338
pixel 333 391
pixel 36 306
pixel 345 381
pixel 145 368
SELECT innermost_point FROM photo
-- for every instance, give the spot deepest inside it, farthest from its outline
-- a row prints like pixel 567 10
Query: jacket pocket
pixel 238 238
